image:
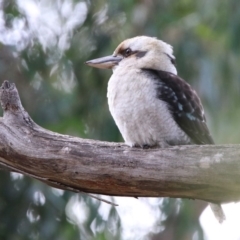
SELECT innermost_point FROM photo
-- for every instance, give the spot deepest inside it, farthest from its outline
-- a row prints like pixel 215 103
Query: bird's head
pixel 139 52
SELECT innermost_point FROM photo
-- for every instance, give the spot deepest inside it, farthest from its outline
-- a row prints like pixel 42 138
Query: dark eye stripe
pixel 173 60
pixel 128 52
pixel 140 54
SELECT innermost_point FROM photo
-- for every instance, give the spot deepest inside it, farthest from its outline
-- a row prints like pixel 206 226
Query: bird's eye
pixel 127 52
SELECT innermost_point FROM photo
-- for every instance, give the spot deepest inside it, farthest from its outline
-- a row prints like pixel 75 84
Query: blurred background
pixel 43 47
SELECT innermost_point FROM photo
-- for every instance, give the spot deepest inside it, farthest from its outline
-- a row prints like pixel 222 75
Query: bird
pixel 151 105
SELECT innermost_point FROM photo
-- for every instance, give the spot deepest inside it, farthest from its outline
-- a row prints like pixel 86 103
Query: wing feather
pixel 184 104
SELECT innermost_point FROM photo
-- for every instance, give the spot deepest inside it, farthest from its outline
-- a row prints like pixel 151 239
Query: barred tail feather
pixel 218 212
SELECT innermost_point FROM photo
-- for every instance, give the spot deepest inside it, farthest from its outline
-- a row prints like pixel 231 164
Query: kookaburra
pixel 150 103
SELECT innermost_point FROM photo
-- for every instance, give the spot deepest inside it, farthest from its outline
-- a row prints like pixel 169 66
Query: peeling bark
pixel 206 172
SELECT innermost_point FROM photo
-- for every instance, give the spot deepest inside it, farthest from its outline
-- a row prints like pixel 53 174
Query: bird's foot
pixel 145 146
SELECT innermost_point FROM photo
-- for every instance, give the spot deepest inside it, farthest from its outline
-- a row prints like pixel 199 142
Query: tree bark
pixel 206 172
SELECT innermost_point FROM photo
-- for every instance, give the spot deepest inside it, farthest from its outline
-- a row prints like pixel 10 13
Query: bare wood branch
pixel 210 173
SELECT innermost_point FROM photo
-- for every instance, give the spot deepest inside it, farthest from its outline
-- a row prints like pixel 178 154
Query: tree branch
pixel 210 173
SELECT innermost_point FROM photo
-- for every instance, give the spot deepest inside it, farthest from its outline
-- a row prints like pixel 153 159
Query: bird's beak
pixel 104 62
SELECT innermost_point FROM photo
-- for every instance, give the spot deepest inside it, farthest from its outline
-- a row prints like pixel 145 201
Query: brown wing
pixel 184 104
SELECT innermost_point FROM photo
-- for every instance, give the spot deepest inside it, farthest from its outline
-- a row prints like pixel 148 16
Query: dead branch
pixel 210 173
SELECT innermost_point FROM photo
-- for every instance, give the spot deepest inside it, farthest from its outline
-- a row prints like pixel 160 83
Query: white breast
pixel 141 118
